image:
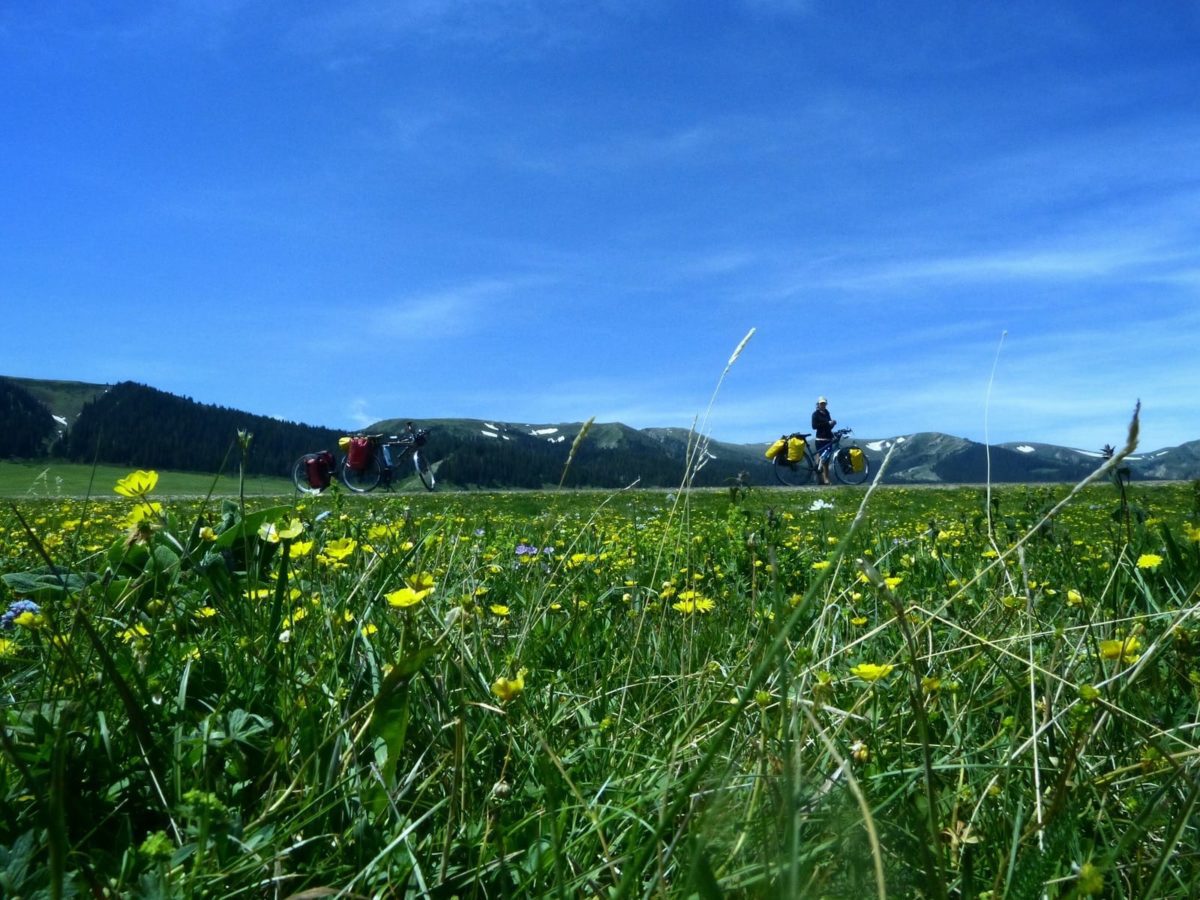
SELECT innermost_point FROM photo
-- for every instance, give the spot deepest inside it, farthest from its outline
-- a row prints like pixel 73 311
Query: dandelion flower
pixel 499 609
pixel 1149 561
pixel 872 671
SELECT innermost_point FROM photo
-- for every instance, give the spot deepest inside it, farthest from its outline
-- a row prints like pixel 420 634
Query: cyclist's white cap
pixel 822 400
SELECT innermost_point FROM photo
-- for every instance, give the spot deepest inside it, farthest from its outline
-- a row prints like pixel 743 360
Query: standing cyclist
pixel 822 425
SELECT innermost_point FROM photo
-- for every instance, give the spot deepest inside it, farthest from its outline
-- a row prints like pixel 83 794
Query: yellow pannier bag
pixel 858 462
pixel 795 449
pixel 776 448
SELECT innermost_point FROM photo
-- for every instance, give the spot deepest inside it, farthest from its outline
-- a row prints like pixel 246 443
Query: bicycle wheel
pixel 424 469
pixel 843 467
pixel 300 476
pixel 365 479
pixel 793 474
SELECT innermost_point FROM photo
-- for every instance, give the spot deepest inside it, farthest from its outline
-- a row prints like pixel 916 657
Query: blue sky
pixel 541 210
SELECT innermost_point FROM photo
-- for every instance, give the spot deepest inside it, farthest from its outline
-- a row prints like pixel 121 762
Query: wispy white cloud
pixel 431 315
pixel 1029 264
pixel 454 310
pixel 356 412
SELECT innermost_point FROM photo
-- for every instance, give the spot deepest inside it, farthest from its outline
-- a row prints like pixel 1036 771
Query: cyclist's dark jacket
pixel 822 423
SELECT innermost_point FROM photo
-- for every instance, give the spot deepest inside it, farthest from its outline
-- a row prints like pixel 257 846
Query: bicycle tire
pixel 362 480
pixel 794 474
pixel 300 476
pixel 844 471
pixel 424 469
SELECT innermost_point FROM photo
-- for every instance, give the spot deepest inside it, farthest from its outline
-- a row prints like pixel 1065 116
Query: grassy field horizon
pixel 55 478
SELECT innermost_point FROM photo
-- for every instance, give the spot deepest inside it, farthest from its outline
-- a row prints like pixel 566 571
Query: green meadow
pixel 50 479
pixel 832 692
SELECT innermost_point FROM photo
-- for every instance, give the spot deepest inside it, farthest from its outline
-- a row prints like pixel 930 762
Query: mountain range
pixel 137 425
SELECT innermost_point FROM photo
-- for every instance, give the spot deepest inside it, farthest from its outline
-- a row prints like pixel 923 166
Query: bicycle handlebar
pixel 409 436
pixel 837 435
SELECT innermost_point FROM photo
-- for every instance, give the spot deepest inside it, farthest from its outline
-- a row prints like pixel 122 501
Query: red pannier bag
pixel 358 454
pixel 319 469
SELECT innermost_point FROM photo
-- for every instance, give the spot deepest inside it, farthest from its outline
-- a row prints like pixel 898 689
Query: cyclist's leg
pixel 823 453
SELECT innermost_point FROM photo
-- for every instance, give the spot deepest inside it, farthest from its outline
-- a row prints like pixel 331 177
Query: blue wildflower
pixel 15 609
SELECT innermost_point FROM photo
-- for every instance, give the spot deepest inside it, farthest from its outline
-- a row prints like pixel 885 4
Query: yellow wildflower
pixel 136 484
pixel 420 582
pixel 1149 561
pixel 1123 649
pixel 690 602
pixel 339 549
pixel 508 688
pixel 872 671
pixel 136 633
pixel 405 597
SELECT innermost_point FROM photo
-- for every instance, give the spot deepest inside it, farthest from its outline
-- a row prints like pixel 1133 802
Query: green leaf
pixel 47 583
pixel 249 526
pixel 703 879
pixel 389 719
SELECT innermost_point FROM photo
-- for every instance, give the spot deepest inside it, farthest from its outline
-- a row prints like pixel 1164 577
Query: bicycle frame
pixel 384 454
pixel 387 453
pixel 803 470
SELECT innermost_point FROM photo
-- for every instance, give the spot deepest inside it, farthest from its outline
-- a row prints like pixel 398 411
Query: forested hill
pixel 26 426
pixel 135 425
